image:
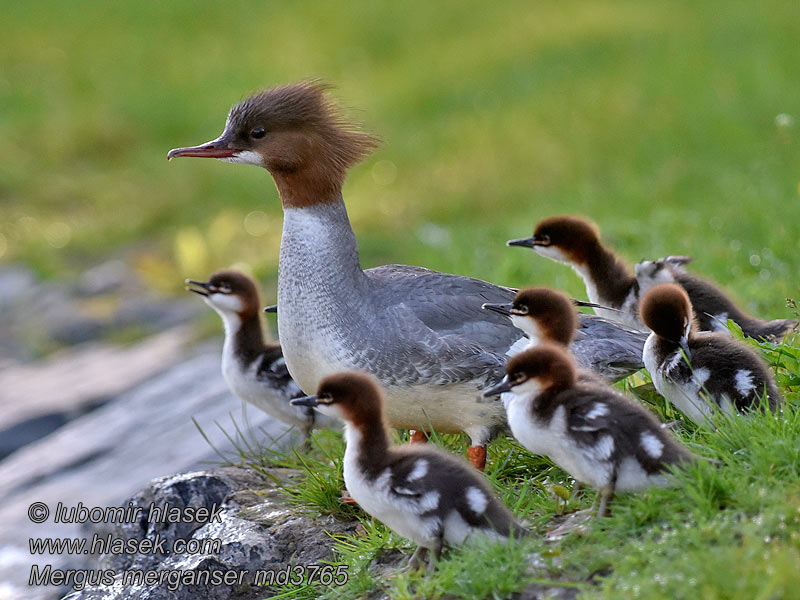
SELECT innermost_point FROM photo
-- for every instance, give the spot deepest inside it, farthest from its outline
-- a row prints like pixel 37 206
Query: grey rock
pixel 15 282
pixel 154 314
pixel 105 278
pixel 105 456
pixel 254 532
pixel 69 383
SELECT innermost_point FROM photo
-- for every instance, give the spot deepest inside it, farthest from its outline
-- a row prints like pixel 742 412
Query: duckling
pixel 576 242
pixel 609 282
pixel 700 372
pixel 418 491
pixel 712 307
pixel 254 370
pixel 596 434
pixel 548 316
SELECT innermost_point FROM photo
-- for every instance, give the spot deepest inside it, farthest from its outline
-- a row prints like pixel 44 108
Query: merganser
pixel 699 372
pixel 712 307
pixel 418 491
pixel 254 370
pixel 548 316
pixel 593 432
pixel 575 242
pixel 421 333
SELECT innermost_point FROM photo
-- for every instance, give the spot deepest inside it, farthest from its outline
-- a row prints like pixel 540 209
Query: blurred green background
pixel 673 125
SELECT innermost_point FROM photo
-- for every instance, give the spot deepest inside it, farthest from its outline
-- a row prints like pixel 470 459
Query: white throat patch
pixel 245 157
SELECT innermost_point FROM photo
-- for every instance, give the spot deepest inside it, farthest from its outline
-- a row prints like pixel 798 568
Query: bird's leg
pixel 436 554
pixel 477 457
pixel 346 498
pixel 606 493
pixel 417 436
pixel 418 558
pixel 576 489
pixel 305 431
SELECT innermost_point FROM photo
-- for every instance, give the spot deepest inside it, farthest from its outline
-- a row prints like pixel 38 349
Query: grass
pixel 721 532
pixel 659 120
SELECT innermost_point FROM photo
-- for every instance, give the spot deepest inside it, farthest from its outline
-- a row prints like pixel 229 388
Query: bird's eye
pixel 258 133
pixel 543 238
pixel 225 288
pixel 519 378
pixel 521 309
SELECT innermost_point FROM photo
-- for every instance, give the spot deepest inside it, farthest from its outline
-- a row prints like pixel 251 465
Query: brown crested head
pixel 575 238
pixel 548 365
pixel 299 134
pixel 229 291
pixel 667 311
pixel 554 313
pixel 355 396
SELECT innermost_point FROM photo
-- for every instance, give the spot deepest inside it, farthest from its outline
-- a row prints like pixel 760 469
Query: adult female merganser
pixel 418 491
pixel 699 372
pixel 545 315
pixel 254 370
pixel 711 306
pixel 421 333
pixel 593 432
pixel 608 281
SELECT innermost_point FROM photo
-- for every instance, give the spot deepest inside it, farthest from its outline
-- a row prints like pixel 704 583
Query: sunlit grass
pixel 721 531
pixel 656 119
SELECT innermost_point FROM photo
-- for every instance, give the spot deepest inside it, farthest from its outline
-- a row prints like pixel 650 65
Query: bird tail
pixel 773 331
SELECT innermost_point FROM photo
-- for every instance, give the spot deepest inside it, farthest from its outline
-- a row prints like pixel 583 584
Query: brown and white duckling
pixel 596 434
pixel 700 372
pixel 576 242
pixel 548 316
pixel 254 370
pixel 418 491
pixel 712 306
pixel 609 282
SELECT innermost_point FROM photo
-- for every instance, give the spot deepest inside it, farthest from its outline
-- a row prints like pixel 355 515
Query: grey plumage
pixel 608 348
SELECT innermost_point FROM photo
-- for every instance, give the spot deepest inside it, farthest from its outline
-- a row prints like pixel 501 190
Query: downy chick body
pixel 711 305
pixel 596 434
pixel 700 372
pixel 575 242
pixel 254 370
pixel 418 491
pixel 547 316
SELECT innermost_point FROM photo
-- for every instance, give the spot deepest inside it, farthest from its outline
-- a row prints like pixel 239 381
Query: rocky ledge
pixel 246 531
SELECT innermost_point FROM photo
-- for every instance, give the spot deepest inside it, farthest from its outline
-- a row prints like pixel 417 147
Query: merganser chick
pixel 700 372
pixel 544 315
pixel 421 333
pixel 418 491
pixel 575 242
pixel 593 432
pixel 254 370
pixel 712 307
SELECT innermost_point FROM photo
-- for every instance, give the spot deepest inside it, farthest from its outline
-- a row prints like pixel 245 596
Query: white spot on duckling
pixel 598 410
pixel 651 444
pixel 419 471
pixel 604 448
pixel 701 375
pixel 477 500
pixel 744 381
